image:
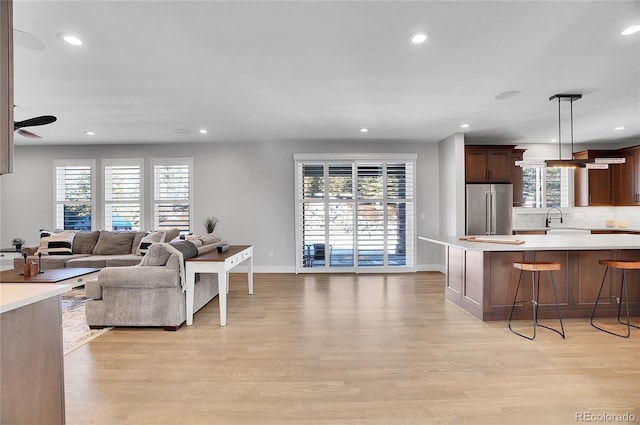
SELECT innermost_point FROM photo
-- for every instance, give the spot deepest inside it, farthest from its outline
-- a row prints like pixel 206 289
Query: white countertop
pixel 16 295
pixel 564 242
pixel 608 229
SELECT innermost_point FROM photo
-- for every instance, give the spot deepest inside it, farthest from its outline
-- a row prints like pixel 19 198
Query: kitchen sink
pixel 567 231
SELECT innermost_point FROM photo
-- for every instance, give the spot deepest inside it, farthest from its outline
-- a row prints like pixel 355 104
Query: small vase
pixel 18 247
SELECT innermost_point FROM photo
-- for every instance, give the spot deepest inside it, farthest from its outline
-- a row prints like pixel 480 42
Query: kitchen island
pixel 481 279
pixel 32 366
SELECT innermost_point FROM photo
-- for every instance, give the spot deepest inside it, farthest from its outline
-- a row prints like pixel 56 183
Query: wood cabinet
pixel 494 164
pixel 32 386
pixel 516 176
pixel 626 177
pixel 484 283
pixel 593 187
pixel 488 164
pixel 6 86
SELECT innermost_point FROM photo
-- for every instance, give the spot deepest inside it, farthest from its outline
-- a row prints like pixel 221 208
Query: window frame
pixel 169 162
pixel 140 200
pixel 356 160
pixel 58 163
pixel 566 198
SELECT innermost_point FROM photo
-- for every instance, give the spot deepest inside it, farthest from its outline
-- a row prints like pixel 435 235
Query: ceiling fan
pixel 18 126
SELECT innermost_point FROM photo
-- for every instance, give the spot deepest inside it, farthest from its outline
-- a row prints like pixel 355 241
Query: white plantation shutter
pixel 355 213
pixel 123 194
pixel 172 193
pixel 74 194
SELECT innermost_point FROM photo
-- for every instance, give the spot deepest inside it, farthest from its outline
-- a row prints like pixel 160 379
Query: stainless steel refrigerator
pixel 488 209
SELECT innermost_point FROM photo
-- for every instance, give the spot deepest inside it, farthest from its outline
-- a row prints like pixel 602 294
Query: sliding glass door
pixel 355 213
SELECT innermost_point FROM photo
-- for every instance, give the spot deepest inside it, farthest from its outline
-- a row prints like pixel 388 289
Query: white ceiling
pixel 321 70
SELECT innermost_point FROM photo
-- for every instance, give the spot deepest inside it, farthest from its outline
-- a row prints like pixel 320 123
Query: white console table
pixel 219 263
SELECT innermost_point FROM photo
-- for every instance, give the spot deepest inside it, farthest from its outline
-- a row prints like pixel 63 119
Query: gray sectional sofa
pixel 149 294
pixel 99 248
pixel 140 283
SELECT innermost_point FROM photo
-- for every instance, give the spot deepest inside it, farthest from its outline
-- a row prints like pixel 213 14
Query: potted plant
pixel 17 242
pixel 210 223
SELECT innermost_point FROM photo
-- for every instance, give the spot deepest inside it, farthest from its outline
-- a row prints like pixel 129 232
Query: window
pixel 546 187
pixel 123 194
pixel 355 213
pixel 74 194
pixel 172 193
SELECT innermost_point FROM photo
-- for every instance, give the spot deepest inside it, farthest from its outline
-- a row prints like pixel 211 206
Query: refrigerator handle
pixel 487 213
pixel 494 218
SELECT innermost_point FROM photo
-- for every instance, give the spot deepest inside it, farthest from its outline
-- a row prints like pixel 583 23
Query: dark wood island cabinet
pixel 481 278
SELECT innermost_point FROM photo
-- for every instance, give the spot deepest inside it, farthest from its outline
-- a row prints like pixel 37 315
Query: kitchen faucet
pixel 547 220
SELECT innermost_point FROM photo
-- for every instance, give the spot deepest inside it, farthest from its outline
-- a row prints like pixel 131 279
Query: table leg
pixel 189 295
pixel 222 297
pixel 250 275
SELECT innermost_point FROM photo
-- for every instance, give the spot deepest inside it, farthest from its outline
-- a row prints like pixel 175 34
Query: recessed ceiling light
pixel 506 95
pixel 631 30
pixel 70 38
pixel 418 37
pixel 364 130
pixel 554 140
pixel 203 131
pixel 620 128
pixel 90 133
pixel 464 126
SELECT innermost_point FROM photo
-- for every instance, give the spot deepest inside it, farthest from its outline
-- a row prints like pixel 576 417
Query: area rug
pixel 75 331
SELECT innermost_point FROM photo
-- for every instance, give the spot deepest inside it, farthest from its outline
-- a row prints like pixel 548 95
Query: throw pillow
pixel 114 243
pixel 57 243
pixel 187 249
pixel 148 239
pixel 156 255
pixel 210 238
pixel 84 242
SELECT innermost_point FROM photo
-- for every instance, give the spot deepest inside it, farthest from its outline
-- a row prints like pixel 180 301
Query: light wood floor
pixel 349 349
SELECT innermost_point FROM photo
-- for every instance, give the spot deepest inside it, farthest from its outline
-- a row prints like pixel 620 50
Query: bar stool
pixel 534 267
pixel 623 265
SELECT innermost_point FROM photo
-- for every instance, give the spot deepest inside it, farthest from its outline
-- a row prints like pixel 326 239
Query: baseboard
pixel 290 269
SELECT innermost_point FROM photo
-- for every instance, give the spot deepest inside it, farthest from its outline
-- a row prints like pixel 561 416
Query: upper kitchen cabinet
pixel 593 187
pixel 516 176
pixel 494 164
pixel 626 177
pixel 488 164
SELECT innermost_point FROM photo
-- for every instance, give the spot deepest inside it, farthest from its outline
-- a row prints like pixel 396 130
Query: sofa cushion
pixel 84 242
pixel 171 234
pixel 157 255
pixel 136 242
pixel 57 243
pixel 48 262
pixel 95 261
pixel 123 260
pixel 114 243
pixel 148 239
pixel 188 249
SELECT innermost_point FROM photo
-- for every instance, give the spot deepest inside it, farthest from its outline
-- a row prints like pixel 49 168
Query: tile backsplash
pixel 580 217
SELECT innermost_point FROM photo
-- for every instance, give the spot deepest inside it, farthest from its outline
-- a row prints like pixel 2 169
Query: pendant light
pixel 591 163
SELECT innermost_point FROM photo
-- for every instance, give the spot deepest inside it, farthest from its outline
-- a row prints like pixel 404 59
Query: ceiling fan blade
pixel 31 122
pixel 28 134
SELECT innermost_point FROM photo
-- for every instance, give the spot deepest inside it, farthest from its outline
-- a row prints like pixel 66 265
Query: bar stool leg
pixel 623 289
pixel 555 298
pixel 513 307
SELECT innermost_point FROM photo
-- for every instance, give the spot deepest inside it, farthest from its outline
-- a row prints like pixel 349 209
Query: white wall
pixel 248 186
pixel 452 185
